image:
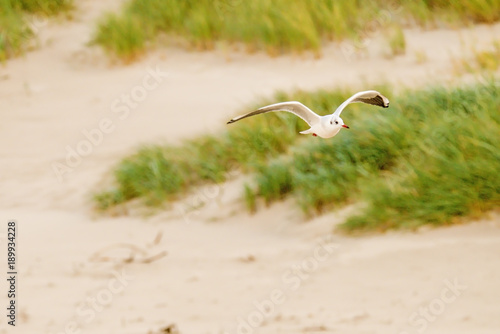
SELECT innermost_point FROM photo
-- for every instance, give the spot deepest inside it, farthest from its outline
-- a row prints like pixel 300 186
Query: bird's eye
pixel 336 122
pixel 331 122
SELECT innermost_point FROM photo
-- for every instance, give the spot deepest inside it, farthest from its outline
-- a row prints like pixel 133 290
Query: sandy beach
pixel 216 269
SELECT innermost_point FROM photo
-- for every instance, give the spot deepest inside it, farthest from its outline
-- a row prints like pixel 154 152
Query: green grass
pixel 431 158
pixel 275 26
pixel 15 30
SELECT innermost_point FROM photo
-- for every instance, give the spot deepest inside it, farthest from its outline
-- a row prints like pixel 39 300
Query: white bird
pixel 324 126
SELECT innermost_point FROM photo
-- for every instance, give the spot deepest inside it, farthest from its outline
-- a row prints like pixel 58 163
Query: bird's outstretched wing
pixel 369 96
pixel 293 107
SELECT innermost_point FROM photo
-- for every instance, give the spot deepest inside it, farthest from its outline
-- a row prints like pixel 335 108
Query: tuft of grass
pixel 275 26
pixel 274 181
pixel 129 37
pixel 481 62
pixel 396 41
pixel 15 30
pixel 250 199
pixel 449 173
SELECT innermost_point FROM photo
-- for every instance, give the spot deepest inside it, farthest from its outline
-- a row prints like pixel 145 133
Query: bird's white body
pixel 323 126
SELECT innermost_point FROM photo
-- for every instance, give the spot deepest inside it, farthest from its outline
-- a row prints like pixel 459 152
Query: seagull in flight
pixel 323 126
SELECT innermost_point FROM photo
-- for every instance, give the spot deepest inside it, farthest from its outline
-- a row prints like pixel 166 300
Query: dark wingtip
pixel 387 105
pixel 231 121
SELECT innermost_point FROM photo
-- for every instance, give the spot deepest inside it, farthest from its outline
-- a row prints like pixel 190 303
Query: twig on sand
pixel 144 257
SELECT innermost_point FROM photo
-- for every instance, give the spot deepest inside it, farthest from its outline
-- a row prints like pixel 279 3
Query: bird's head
pixel 338 123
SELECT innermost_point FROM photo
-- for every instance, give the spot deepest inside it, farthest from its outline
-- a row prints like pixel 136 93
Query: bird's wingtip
pixel 231 121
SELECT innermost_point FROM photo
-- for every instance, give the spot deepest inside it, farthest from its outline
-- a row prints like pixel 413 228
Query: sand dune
pixel 224 270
